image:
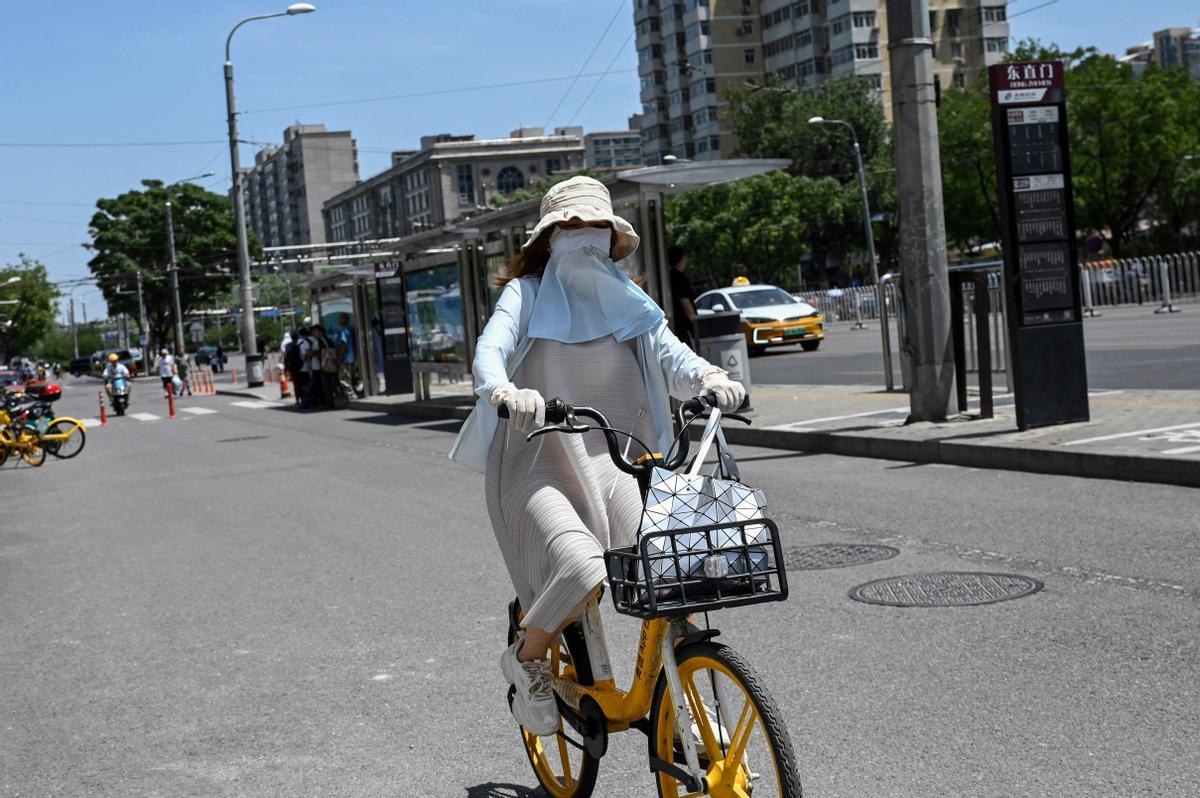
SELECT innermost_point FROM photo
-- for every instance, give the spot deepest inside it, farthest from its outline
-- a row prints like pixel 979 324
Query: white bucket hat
pixel 588 200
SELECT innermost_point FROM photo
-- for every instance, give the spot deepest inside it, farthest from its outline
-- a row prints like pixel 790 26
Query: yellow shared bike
pixel 712 727
pixel 19 441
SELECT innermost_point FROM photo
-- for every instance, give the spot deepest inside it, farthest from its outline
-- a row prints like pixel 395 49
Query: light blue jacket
pixel 668 368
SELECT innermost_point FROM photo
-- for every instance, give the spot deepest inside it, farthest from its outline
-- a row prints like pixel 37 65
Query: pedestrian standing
pixel 183 368
pixel 219 359
pixel 683 296
pixel 324 367
pixel 294 364
pixel 166 371
pixel 377 353
pixel 343 339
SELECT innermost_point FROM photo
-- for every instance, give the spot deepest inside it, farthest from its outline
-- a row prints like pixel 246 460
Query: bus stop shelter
pixel 419 303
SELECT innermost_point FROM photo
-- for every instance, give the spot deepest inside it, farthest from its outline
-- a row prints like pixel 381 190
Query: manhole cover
pixel 835 555
pixel 947 589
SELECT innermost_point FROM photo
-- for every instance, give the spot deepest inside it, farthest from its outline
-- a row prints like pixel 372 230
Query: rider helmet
pixel 113 357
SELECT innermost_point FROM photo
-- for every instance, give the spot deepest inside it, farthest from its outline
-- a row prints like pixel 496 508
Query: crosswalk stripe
pixel 197 411
pixel 88 423
pixel 254 404
pixel 145 416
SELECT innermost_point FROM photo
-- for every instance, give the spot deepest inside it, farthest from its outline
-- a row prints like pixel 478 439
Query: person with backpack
pixel 323 368
pixel 295 364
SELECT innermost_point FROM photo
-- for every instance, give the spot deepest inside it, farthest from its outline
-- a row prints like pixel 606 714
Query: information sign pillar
pixel 1041 264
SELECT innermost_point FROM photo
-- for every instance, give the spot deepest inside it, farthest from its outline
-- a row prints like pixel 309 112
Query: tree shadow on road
pixel 493 789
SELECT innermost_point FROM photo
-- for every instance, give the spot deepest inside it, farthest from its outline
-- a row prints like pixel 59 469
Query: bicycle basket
pixel 695 569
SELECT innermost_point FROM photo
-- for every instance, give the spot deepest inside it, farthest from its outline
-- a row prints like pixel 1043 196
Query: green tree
pixel 968 168
pixel 771 121
pixel 1129 135
pixel 129 237
pixel 58 345
pixel 34 298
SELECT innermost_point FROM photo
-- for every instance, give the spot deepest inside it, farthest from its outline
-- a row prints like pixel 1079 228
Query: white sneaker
pixel 533 705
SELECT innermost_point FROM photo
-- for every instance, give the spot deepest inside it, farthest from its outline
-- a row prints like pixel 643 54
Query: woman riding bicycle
pixel 570 323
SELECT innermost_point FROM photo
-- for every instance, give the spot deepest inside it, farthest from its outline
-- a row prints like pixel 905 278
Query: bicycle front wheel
pixel 741 741
pixel 69 446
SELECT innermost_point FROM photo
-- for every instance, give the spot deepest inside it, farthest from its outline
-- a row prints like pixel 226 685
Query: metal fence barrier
pixel 1161 280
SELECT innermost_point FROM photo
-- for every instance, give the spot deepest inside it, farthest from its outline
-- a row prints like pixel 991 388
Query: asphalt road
pixel 1127 347
pixel 256 602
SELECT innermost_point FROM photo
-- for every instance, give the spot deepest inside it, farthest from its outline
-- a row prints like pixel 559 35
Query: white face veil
pixel 584 295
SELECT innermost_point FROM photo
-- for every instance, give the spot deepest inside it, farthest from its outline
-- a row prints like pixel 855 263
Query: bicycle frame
pixel 620 707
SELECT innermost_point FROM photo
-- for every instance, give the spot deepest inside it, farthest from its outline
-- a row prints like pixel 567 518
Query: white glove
pixel 526 407
pixel 729 394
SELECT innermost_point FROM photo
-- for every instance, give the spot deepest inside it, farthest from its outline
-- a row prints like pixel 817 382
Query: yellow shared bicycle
pixel 20 441
pixel 712 726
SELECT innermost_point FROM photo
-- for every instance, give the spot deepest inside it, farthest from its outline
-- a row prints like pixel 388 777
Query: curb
pixel 1128 468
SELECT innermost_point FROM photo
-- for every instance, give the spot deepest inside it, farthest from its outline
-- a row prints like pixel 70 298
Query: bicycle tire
pixel 65 449
pixel 32 452
pixel 663 744
pixel 582 783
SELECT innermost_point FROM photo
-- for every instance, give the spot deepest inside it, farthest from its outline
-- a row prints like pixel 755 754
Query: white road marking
pixel 197 411
pixel 1132 434
pixel 1183 450
pixel 88 423
pixel 145 416
pixel 254 404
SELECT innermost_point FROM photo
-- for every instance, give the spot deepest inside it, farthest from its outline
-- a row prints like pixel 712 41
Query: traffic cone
pixel 103 410
pixel 285 390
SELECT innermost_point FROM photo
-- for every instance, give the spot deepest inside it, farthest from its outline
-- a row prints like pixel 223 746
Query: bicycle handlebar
pixel 560 417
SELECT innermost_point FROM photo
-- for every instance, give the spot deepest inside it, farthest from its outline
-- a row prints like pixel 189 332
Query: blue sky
pixel 80 72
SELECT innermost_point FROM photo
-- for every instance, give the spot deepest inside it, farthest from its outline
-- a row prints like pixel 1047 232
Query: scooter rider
pixel 114 369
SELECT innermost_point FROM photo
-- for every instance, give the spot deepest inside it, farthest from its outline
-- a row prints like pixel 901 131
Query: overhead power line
pixel 96 144
pixel 586 61
pixel 432 92
pixel 608 71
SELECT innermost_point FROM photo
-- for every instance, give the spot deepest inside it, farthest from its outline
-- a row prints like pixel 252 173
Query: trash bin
pixel 254 371
pixel 721 341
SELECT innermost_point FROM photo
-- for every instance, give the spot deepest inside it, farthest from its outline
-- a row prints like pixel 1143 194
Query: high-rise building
pixel 690 51
pixel 448 178
pixel 1170 47
pixel 288 185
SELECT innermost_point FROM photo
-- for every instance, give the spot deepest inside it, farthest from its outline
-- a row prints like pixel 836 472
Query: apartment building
pixel 1170 47
pixel 689 51
pixel 287 186
pixel 448 178
pixel 614 149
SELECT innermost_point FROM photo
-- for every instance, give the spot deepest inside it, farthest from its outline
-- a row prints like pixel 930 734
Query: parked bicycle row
pixel 30 430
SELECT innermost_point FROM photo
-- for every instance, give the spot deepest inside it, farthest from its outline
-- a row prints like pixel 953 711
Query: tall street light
pixel 254 371
pixel 173 270
pixel 879 297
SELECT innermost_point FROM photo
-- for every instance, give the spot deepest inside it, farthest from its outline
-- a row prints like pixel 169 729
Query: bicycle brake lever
pixel 568 428
pixel 731 416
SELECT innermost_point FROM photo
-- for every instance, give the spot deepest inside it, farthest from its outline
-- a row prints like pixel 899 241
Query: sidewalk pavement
pixel 1135 435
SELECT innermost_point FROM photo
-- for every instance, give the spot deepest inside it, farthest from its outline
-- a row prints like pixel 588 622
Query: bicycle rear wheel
pixel 741 740
pixel 31 451
pixel 71 445
pixel 560 763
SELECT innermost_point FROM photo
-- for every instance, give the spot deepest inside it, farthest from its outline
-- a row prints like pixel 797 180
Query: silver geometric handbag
pixel 694 500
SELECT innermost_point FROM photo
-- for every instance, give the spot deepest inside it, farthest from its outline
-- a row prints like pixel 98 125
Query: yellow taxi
pixel 770 315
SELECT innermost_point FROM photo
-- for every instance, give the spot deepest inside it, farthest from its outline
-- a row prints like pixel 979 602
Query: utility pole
pixel 144 337
pixel 74 330
pixel 926 284
pixel 174 272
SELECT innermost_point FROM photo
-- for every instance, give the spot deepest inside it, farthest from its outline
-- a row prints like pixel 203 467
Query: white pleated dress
pixel 557 502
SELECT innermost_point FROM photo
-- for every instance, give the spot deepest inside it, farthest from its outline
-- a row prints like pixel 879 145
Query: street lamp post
pixel 173 270
pixel 254 373
pixel 885 333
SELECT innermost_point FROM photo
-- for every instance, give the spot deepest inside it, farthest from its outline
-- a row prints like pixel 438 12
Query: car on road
pixel 204 355
pixel 100 360
pixel 770 315
pixel 80 365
